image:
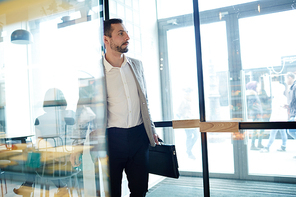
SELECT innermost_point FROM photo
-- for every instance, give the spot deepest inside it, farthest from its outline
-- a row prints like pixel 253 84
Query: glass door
pixel 235 51
pixel 267 60
pixel 184 94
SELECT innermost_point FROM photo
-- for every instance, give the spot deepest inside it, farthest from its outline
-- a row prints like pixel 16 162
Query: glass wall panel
pixel 246 68
pixel 268 55
pixel 268 47
pixel 183 74
pixel 216 88
pixel 183 79
pixel 179 82
pixel 214 4
pixel 236 49
pixel 52 99
pixel 175 8
pixel 215 68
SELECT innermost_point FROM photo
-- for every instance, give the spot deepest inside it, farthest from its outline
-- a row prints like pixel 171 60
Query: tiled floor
pixel 192 187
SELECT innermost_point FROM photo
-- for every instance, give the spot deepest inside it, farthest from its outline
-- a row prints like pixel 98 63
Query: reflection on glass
pixel 186 7
pixel 185 95
pixel 270 72
pixel 274 39
pixel 271 143
pixel 52 103
pixel 175 8
pixel 255 112
pixel 214 4
pixel 184 92
pixel 216 87
pixel 249 42
pixel 215 64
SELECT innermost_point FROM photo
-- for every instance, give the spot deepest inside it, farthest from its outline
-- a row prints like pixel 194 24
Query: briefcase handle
pixel 160 141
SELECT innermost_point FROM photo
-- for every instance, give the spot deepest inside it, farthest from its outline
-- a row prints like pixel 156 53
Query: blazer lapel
pixel 136 73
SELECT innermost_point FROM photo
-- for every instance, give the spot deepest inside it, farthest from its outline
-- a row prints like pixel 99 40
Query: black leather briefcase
pixel 163 161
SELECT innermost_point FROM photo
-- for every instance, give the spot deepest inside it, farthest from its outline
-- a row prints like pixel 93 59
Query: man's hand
pixel 74 159
pixel 156 138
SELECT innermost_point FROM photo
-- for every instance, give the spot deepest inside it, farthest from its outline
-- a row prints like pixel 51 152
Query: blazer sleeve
pixel 145 93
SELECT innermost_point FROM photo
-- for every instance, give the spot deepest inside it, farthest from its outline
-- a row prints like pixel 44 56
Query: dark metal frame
pixel 202 109
pixel 106 9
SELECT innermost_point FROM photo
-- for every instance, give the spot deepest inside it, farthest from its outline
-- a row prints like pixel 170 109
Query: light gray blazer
pixel 137 69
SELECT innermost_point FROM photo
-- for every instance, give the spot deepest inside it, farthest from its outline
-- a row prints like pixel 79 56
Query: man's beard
pixel 119 49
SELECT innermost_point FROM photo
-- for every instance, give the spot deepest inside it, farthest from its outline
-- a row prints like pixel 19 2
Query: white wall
pixel 16 85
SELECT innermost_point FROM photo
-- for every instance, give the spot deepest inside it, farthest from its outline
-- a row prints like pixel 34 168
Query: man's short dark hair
pixel 107 26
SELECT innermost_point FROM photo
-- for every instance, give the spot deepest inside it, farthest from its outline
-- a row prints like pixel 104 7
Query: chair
pixel 2 174
pixel 55 167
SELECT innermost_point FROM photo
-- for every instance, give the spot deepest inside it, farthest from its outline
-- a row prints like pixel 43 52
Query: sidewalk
pixel 220 155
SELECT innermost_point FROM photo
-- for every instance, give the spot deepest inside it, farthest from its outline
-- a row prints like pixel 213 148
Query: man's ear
pixel 106 39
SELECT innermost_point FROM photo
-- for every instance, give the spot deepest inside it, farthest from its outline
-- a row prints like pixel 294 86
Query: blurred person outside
pixel 254 110
pixel 290 80
pixel 129 126
pixel 279 113
pixel 185 112
pixel 265 101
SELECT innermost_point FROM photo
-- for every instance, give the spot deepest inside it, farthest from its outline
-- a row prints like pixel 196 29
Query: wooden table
pixel 53 153
pixel 22 138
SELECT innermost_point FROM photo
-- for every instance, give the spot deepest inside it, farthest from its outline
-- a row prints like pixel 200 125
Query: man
pixel 129 128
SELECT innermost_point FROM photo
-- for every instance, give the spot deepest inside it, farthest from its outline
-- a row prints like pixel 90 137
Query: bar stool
pixel 2 174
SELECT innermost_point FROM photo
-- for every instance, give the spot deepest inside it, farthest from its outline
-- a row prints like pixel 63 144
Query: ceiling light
pixel 21 36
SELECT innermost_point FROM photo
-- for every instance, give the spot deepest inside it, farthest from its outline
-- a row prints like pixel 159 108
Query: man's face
pixel 119 40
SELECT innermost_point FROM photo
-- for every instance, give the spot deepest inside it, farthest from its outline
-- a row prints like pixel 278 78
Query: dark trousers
pixel 128 150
